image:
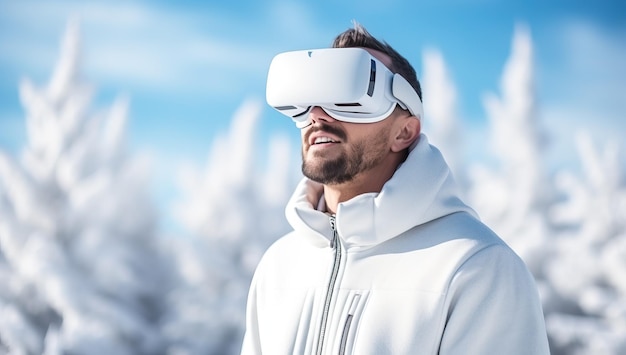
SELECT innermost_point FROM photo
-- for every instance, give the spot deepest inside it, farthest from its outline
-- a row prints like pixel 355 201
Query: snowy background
pixel 97 256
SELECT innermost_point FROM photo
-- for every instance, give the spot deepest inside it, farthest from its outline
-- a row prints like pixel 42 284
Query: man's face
pixel 335 152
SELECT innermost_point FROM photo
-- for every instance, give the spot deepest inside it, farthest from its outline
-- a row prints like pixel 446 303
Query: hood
pixel 421 190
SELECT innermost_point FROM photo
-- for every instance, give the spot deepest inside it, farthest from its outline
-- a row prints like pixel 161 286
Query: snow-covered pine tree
pixel 79 268
pixel 571 231
pixel 513 196
pixel 586 308
pixel 442 124
pixel 233 209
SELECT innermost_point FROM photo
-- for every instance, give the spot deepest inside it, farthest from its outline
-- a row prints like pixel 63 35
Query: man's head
pixel 358 116
pixel 359 80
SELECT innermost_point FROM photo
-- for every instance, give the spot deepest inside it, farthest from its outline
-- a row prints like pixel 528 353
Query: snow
pixel 441 123
pixel 84 267
pixel 81 268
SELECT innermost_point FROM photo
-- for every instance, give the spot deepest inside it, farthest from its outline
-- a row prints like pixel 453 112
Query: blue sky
pixel 187 65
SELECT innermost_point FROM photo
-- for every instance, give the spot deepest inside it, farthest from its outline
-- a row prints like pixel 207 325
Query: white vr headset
pixel 348 83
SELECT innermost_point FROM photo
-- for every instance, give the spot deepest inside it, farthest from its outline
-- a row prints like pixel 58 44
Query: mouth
pixel 323 140
pixel 325 136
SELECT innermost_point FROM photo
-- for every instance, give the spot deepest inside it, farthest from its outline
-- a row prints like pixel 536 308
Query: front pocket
pixel 348 323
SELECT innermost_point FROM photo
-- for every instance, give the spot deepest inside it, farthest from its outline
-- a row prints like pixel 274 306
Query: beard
pixel 358 157
pixel 335 171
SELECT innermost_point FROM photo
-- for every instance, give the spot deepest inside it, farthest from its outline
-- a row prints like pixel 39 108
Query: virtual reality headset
pixel 348 83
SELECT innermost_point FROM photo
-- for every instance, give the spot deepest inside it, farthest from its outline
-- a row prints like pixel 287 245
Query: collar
pixel 422 189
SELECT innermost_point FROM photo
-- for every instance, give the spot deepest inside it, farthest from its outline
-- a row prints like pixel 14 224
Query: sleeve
pixel 251 341
pixel 494 307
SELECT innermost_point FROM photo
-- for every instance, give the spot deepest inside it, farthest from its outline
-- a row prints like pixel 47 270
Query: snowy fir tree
pixel 512 196
pixel 79 271
pixel 440 111
pixel 233 209
pixel 569 230
pixel 586 306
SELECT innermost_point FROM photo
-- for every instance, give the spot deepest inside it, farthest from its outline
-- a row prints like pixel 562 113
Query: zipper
pixel 334 244
pixel 346 326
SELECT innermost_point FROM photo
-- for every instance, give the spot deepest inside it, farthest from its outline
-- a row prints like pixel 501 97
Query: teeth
pixel 323 140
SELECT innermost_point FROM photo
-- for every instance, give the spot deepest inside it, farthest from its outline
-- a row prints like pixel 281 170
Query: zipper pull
pixel 333 227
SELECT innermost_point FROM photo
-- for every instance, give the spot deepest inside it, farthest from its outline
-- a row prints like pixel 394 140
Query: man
pixel 384 257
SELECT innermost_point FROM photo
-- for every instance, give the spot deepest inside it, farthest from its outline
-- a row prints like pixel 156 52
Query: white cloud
pixel 584 89
pixel 590 76
pixel 296 21
pixel 149 46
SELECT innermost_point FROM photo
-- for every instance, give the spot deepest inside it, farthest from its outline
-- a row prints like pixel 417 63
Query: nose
pixel 318 114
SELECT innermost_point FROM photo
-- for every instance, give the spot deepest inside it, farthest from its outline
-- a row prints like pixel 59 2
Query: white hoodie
pixel 412 271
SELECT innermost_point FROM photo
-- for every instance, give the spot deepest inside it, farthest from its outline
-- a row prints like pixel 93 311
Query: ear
pixel 408 129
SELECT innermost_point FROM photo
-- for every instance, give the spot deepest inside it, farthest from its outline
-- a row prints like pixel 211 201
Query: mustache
pixel 323 127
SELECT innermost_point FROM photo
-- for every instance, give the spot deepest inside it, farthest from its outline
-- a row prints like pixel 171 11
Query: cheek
pixel 377 134
pixel 361 132
pixel 303 141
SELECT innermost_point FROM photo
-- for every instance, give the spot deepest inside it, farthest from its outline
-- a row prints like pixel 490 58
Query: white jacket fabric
pixel 413 271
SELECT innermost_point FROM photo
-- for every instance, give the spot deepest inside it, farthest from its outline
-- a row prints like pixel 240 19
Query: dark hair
pixel 359 37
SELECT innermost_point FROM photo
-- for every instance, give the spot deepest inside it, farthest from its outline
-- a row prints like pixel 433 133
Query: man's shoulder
pixel 465 237
pixel 458 230
pixel 286 241
pixel 449 240
pixel 293 246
